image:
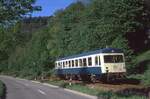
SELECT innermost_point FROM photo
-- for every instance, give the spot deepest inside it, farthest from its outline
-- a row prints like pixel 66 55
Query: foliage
pixel 2 89
pixel 29 48
pixel 146 79
pixel 32 58
pixel 12 10
pixel 99 93
pixel 141 69
pixel 142 57
pixel 104 22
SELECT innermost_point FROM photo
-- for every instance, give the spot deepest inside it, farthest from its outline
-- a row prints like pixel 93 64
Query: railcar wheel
pixel 79 77
pixel 93 78
pixel 67 77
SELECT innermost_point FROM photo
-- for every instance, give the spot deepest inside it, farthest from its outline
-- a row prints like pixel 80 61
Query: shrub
pixel 2 89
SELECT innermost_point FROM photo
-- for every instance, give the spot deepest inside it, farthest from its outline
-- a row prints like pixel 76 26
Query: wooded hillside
pixel 30 47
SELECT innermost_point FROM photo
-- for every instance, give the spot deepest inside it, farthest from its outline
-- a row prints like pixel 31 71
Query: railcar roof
pixel 104 50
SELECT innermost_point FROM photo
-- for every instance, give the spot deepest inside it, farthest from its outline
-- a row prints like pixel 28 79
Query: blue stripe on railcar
pixel 104 50
pixel 85 70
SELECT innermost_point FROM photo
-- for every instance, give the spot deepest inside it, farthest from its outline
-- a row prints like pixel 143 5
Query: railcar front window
pixel 113 58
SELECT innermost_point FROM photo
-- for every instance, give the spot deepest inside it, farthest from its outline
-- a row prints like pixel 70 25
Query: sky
pixel 50 6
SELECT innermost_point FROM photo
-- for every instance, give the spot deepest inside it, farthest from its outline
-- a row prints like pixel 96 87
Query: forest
pixel 30 45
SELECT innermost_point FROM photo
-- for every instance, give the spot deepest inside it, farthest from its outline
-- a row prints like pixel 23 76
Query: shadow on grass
pixel 105 95
pixel 123 81
pixel 127 81
pixel 63 85
pixel 126 93
pixel 134 91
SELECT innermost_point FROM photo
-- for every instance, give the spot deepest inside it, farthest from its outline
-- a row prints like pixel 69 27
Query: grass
pixel 78 87
pixel 84 89
pixel 91 91
pixel 112 95
pixel 2 89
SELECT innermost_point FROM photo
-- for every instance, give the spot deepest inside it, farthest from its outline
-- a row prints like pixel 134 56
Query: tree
pixel 12 10
pixel 102 23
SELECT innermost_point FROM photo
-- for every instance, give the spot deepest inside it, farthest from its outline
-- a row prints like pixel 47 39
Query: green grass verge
pixel 2 89
pixel 91 91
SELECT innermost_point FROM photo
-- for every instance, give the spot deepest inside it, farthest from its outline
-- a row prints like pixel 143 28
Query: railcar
pixel 103 63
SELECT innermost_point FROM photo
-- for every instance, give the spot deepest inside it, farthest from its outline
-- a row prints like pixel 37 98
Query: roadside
pixel 27 89
pixel 104 91
pixel 97 90
pixel 2 90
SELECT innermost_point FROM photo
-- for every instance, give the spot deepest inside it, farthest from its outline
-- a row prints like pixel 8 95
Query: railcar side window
pixel 84 62
pixel 66 64
pixel 96 60
pixel 55 64
pixel 76 63
pixel 89 61
pixel 80 62
pixel 58 64
pixel 69 63
pixel 99 60
pixel 63 64
pixel 72 63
